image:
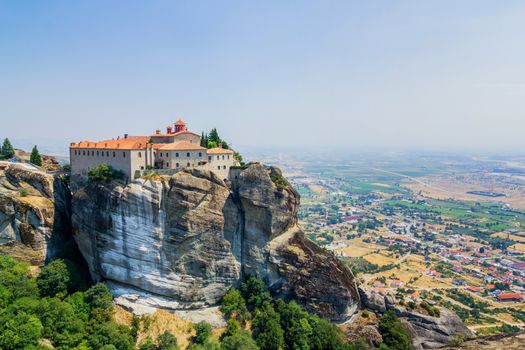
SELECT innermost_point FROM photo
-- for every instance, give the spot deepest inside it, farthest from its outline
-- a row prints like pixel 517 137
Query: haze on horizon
pixel 394 74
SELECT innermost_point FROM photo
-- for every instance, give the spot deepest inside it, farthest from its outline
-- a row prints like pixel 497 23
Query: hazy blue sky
pixel 415 74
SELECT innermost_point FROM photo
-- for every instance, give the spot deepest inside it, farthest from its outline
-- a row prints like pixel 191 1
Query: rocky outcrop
pixel 188 238
pixel 426 332
pixel 34 213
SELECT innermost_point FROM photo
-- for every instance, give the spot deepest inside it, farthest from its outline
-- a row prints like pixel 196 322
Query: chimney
pixel 125 136
pixel 168 130
pixel 157 132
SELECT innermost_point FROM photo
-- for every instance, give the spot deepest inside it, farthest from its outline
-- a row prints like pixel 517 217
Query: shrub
pixel 23 192
pixel 233 303
pixel 99 297
pixel 278 179
pixel 104 173
pixel 394 334
pixel 54 279
pixel 35 157
pixel 203 332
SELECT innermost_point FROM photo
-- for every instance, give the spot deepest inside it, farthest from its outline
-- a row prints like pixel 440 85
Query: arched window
pixel 219 167
pixel 177 154
pixel 92 153
pixel 140 154
pixel 107 153
pixel 124 154
pixel 209 158
pixel 167 165
pixel 223 157
pixel 224 166
pixel 177 165
pixel 200 154
pixel 228 156
pixel 84 153
pixel 97 153
pixel 114 154
pixel 188 154
pixel 188 164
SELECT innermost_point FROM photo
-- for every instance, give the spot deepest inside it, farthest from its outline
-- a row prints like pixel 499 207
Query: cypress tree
pixel 7 149
pixel 35 158
pixel 203 140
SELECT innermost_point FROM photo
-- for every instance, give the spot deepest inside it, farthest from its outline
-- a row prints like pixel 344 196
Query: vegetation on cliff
pixel 276 324
pixel 104 172
pixel 35 157
pixel 6 150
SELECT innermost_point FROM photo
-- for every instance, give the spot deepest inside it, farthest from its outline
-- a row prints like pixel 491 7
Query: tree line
pixel 7 152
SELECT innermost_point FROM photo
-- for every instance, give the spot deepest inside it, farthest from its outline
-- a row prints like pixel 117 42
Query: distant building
pixel 165 153
pixel 510 297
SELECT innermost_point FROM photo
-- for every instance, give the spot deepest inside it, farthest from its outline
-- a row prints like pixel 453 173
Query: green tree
pixel 111 334
pixel 394 334
pixel 19 331
pixel 54 279
pixel 203 332
pixel 325 335
pixel 267 330
pixel 233 304
pixel 254 292
pixel 99 297
pixel 294 321
pixel 241 340
pixel 35 157
pixel 61 323
pixel 104 173
pixel 7 149
pixel 148 344
pixel 214 136
pixel 167 341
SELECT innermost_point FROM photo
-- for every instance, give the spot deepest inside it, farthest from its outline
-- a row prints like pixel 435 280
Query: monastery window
pixel 102 153
pixel 114 154
pixel 84 153
pixel 141 168
pixel 219 167
pixel 224 166
pixel 200 154
pixel 188 154
pixel 97 153
pixel 140 154
pixel 189 164
pixel 124 154
pixel 167 165
pixel 218 157
pixel 177 154
pixel 107 153
pixel 209 158
pixel 92 153
pixel 228 156
pixel 177 165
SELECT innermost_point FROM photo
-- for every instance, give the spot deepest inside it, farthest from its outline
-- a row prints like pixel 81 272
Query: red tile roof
pixel 180 146
pixel 129 143
pixel 219 150
pixel 509 296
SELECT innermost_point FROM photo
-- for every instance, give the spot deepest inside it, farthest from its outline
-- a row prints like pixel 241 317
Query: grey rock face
pixel 34 213
pixel 191 237
pixel 429 332
pixel 426 332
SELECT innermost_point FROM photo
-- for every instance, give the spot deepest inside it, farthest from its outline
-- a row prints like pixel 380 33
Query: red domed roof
pixel 180 122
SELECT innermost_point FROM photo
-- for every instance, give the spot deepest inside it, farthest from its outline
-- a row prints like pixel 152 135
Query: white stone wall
pixel 220 164
pixel 179 159
pixel 87 158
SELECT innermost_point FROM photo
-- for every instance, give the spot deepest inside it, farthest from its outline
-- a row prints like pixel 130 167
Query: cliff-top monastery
pixel 165 153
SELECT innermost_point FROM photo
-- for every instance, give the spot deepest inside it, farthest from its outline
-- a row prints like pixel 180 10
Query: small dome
pixel 180 122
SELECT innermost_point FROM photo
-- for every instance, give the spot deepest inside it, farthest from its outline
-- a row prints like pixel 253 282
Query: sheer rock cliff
pixel 34 214
pixel 181 242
